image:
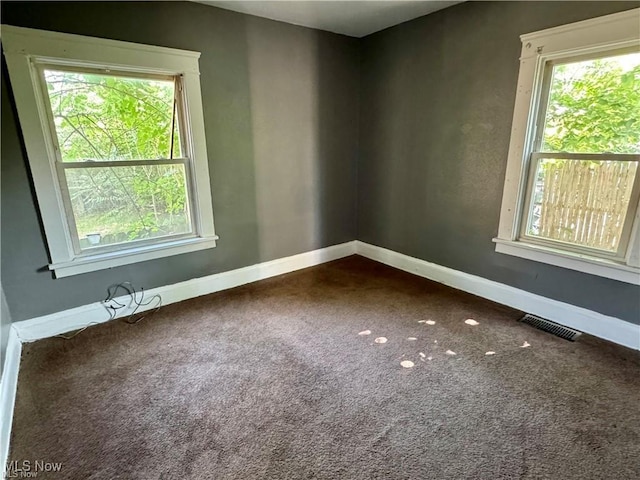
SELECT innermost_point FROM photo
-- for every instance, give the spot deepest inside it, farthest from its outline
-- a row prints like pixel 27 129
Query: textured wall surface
pixel 281 119
pixel 437 102
pixel 411 124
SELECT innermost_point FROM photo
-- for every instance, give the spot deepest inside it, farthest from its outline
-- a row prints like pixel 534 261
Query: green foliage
pixel 107 118
pixel 103 117
pixel 130 203
pixel 594 107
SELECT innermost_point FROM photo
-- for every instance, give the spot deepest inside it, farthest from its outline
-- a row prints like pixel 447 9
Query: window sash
pixel 178 92
pixel 623 244
pixel 541 104
pixel 539 108
pixel 596 36
pixel 24 50
pixel 124 163
pixel 61 167
pixel 617 157
pixel 104 70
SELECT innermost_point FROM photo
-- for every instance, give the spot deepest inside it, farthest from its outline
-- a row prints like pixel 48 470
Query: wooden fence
pixel 582 202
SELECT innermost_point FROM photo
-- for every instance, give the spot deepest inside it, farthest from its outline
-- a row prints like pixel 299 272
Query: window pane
pixel 581 202
pixel 594 106
pixel 121 204
pixel 104 117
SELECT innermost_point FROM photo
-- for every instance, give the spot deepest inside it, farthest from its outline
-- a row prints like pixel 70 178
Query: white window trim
pixel 22 46
pixel 619 30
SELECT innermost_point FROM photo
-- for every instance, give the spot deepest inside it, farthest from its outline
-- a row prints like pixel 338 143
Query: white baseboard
pixel 593 323
pixel 588 321
pixel 79 317
pixel 8 386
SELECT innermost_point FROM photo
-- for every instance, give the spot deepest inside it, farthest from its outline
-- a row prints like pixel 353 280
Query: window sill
pixel 572 261
pixel 102 261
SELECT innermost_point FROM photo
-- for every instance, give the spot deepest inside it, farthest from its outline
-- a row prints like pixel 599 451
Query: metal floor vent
pixel 551 327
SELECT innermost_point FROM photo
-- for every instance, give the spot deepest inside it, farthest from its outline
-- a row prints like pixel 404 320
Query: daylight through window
pixel 585 161
pixel 115 137
pixel 571 194
pixel 120 156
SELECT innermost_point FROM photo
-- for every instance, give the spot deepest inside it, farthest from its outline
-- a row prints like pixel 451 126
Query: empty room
pixel 320 239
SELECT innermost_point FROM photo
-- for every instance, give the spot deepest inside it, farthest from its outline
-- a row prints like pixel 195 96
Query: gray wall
pixel 437 101
pixel 282 107
pixel 281 118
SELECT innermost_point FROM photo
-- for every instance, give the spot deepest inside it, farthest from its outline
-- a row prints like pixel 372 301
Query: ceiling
pixel 353 18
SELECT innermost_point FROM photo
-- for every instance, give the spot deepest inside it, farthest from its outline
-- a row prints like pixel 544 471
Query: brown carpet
pixel 272 380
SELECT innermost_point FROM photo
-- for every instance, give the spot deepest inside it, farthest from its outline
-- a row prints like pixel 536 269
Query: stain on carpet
pixel 282 379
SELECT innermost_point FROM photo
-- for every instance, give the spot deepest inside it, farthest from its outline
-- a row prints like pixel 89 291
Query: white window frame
pixel 24 50
pixel 602 34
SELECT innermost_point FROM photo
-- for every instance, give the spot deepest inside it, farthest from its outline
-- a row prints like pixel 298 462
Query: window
pixel 115 138
pixel 572 187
